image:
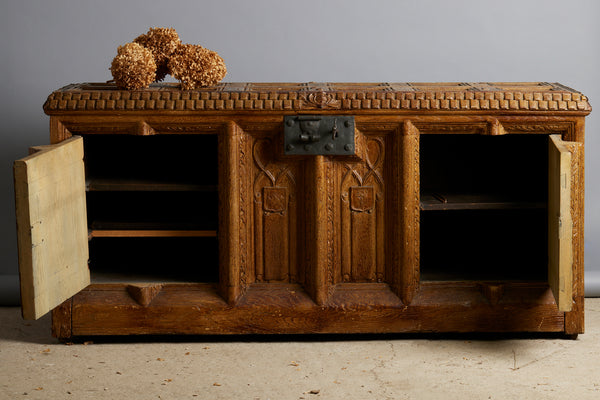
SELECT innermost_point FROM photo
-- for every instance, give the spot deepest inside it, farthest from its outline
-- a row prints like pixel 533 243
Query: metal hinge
pixel 318 135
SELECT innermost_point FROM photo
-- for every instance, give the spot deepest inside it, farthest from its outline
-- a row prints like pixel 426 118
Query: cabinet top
pixel 310 96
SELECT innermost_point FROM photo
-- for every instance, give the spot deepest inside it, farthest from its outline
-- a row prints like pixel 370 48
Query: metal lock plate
pixel 318 135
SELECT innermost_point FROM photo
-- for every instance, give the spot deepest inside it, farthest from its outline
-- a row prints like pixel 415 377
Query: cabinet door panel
pixel 51 226
pixel 560 224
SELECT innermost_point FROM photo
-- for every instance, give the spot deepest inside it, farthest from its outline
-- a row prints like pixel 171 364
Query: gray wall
pixel 47 44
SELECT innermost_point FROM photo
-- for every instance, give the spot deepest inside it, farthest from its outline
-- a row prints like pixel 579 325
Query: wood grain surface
pixel 333 244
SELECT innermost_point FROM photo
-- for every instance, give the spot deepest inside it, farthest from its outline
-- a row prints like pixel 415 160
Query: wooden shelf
pixel 445 201
pixel 459 273
pixel 96 233
pixel 103 225
pixel 144 185
pixel 99 277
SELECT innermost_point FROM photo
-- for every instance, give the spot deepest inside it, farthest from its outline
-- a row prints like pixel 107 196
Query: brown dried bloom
pixel 196 66
pixel 133 67
pixel 162 42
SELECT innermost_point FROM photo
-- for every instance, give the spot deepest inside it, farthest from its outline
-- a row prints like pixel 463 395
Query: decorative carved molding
pixel 377 128
pixel 492 292
pixel 416 228
pixel 262 127
pixel 540 127
pixel 320 100
pixel 132 128
pixel 275 199
pixel 480 128
pixel 187 128
pixel 362 198
pixel 576 206
pixel 245 236
pixel 144 294
pixel 495 127
pixel 535 96
pixel 332 254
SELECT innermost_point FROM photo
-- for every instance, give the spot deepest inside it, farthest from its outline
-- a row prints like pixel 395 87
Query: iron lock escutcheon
pixel 318 135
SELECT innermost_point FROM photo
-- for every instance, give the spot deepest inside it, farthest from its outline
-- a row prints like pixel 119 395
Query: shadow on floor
pixel 14 328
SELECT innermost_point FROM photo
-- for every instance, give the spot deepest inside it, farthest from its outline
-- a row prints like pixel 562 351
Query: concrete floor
pixel 33 365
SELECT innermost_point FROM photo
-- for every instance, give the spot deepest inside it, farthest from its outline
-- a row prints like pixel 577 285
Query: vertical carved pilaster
pixel 403 271
pixel 412 213
pixel 317 274
pixel 232 219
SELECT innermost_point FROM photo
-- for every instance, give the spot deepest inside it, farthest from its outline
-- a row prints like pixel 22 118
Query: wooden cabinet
pixel 458 208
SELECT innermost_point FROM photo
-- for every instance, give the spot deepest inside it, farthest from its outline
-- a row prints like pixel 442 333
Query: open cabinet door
pixel 560 224
pixel 51 226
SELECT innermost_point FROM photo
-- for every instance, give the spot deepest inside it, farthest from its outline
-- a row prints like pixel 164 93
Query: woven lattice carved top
pixel 465 97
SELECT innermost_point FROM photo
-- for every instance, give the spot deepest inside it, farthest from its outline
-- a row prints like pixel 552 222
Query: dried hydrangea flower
pixel 196 66
pixel 162 42
pixel 133 67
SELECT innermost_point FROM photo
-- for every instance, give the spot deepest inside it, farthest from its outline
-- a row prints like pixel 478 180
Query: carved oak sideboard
pixel 306 208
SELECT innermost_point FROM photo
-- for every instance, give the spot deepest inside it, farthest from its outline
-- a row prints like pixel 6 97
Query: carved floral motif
pixel 321 100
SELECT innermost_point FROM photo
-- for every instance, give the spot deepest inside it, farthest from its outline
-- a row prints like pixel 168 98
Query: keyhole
pixel 334 131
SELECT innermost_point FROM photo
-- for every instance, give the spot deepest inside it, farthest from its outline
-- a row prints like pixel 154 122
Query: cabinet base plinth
pixel 197 309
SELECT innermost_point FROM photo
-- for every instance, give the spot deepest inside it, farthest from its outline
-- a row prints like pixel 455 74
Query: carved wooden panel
pixel 362 217
pixel 275 213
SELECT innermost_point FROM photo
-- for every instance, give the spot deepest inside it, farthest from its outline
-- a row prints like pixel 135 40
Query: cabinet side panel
pixel 574 320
